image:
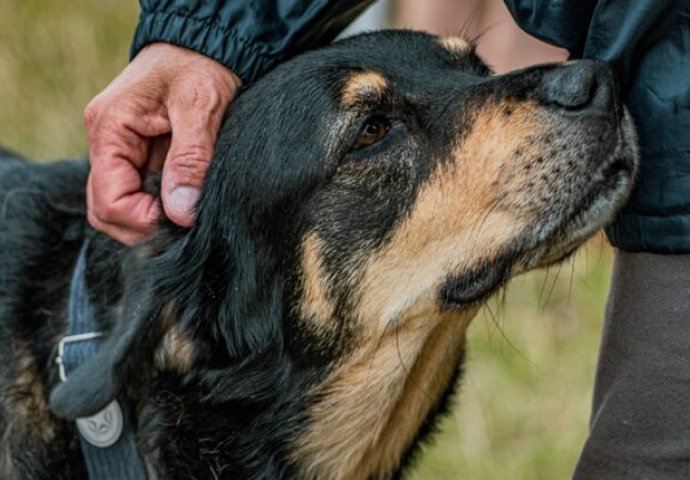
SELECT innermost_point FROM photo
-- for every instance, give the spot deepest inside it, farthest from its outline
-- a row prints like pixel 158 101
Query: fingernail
pixel 183 199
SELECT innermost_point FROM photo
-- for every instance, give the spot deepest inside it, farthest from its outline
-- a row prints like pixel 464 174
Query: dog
pixel 365 199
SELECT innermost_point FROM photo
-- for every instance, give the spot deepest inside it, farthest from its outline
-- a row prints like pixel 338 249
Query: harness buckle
pixel 67 339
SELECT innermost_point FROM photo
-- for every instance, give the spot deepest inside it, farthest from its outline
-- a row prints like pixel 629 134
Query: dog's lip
pixel 463 290
pixel 473 286
pixel 594 211
pixel 615 176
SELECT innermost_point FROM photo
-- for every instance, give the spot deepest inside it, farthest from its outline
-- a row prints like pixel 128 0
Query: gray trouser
pixel 640 425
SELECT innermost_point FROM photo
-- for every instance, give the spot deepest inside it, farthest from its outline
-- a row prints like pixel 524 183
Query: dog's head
pixel 402 177
pixel 364 200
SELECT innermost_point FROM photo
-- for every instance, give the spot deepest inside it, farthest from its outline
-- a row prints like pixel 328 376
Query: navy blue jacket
pixel 648 42
pixel 249 36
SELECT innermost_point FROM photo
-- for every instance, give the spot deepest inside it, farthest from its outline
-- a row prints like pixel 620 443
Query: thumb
pixel 186 164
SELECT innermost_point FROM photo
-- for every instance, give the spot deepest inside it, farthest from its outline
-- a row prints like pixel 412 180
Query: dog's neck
pixel 375 405
pixel 357 420
pixel 361 421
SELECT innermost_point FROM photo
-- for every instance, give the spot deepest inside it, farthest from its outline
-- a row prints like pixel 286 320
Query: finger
pixel 158 150
pixel 124 126
pixel 194 131
pixel 118 150
pixel 115 189
pixel 127 235
pixel 117 199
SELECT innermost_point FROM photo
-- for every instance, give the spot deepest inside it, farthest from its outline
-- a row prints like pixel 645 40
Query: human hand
pixel 163 111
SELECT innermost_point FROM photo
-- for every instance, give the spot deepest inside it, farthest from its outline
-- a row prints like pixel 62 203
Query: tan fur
pixel 26 397
pixel 455 44
pixel 151 460
pixel 176 351
pixel 24 412
pixel 374 402
pixel 372 406
pixel 457 221
pixel 316 305
pixel 429 377
pixel 168 316
pixel 363 86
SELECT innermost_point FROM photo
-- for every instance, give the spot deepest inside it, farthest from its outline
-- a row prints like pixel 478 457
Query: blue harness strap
pixel 108 442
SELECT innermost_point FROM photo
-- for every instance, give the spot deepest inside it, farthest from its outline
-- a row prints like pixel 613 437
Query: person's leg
pixel 640 426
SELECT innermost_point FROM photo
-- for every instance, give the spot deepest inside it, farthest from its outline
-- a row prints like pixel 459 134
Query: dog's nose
pixel 585 86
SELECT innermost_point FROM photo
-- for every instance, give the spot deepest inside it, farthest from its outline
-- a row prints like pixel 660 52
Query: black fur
pixel 284 166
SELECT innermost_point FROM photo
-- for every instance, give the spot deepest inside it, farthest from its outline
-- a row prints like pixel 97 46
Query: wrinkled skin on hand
pixel 162 112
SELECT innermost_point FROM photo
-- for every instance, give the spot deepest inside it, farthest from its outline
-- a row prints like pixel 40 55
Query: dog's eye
pixel 374 129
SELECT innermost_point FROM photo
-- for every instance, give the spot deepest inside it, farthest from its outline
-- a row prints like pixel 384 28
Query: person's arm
pixel 621 32
pixel 248 36
pixel 165 109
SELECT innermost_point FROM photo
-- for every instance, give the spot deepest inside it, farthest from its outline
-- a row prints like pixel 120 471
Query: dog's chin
pixel 608 192
pixel 556 241
pixel 598 208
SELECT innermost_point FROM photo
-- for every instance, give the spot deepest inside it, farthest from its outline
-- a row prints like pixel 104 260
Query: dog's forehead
pixel 403 48
pixel 406 61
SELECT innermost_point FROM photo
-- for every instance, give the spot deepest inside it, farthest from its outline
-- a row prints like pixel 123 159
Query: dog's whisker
pixel 404 367
pixel 504 295
pixel 481 221
pixel 572 275
pixel 378 345
pixel 553 284
pixel 547 272
pixel 262 335
pixel 503 334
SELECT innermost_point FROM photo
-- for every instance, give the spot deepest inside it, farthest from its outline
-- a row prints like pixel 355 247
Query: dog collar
pixel 108 443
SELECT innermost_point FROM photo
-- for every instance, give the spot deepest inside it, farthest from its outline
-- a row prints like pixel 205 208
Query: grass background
pixel 524 402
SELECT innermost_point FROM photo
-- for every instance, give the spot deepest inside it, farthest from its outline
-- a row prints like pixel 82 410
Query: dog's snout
pixel 585 86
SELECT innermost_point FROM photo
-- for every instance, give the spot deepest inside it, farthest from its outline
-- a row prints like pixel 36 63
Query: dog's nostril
pixel 581 85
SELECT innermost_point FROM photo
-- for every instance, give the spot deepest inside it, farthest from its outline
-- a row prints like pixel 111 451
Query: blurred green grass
pixel 524 400
pixel 54 56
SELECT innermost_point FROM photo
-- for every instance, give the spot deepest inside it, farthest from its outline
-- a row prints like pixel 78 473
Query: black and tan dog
pixel 365 199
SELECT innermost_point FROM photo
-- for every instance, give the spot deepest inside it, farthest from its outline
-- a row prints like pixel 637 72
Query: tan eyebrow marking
pixel 455 44
pixel 363 85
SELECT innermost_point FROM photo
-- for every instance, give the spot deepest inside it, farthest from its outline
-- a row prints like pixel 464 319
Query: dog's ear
pixel 223 276
pixel 220 282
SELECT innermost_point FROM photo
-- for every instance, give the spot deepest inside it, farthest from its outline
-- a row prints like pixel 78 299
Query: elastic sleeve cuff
pixel 245 59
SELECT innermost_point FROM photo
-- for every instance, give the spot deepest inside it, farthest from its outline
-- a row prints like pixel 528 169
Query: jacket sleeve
pixel 619 32
pixel 648 44
pixel 249 36
pixel 561 22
